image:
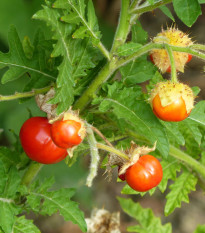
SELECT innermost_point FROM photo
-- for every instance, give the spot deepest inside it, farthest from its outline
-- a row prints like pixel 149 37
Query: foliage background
pixel 102 194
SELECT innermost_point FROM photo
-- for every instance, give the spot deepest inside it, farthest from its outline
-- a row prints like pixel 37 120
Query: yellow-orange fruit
pixel 173 37
pixel 172 101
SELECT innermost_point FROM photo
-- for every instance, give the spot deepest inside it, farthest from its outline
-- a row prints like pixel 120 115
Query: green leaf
pixel 50 202
pixel 135 115
pixel 173 132
pixel 148 223
pixel 78 55
pixel 167 12
pixel 137 71
pixel 88 27
pixel 196 120
pixel 71 18
pixel 9 157
pixel 7 213
pixel 200 229
pixel 139 35
pixel 64 93
pixel 128 190
pixel 201 1
pixel 187 10
pixel 9 183
pixel 28 47
pixel 197 114
pixel 23 225
pixel 18 63
pixel 180 189
pixel 170 168
pixel 128 48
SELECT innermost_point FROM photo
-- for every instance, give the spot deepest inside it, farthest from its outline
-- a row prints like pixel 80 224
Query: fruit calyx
pixel 72 116
pixel 175 37
pixel 134 153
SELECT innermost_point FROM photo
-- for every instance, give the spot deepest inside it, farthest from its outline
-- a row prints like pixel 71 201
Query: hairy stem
pixel 95 158
pixel 187 159
pixel 97 131
pixel 173 65
pixel 148 47
pixel 102 76
pixel 146 7
pixel 104 51
pixel 18 95
pixel 112 150
pixel 123 27
pixel 31 173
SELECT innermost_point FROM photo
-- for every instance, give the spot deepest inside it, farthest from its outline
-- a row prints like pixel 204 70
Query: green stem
pixel 197 46
pixel 148 47
pixel 112 150
pixel 173 65
pixel 146 7
pixel 18 95
pixel 104 51
pixel 102 76
pixel 95 158
pixel 123 26
pixel 31 173
pixel 197 166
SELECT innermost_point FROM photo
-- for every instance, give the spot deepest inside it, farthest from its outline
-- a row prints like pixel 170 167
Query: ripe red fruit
pixel 189 57
pixel 172 101
pixel 66 133
pixel 145 174
pixel 35 137
pixel 122 176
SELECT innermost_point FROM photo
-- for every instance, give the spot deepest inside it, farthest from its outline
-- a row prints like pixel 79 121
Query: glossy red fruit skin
pixel 145 174
pixel 65 133
pixel 35 137
pixel 122 176
pixel 175 111
pixel 189 57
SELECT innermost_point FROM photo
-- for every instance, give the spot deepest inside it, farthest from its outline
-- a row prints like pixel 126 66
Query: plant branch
pixel 31 173
pixel 147 7
pixel 102 76
pixel 18 95
pixel 197 166
pixel 173 65
pixel 104 51
pixel 123 27
pixel 148 47
pixel 112 150
pixel 101 135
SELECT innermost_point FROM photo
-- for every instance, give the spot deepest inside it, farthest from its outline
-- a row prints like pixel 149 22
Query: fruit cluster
pixel 171 100
pixel 48 143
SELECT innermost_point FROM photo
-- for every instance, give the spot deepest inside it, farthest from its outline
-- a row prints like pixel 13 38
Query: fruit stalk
pixel 31 173
pixel 173 65
pixel 197 166
pixel 112 150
